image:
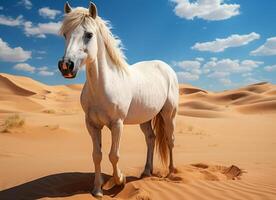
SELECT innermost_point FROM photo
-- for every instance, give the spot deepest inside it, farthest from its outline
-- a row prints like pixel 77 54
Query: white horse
pixel 115 94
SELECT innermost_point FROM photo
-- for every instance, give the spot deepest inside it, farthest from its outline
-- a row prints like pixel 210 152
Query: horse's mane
pixel 80 16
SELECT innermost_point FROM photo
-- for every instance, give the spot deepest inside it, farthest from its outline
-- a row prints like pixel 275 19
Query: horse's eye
pixel 88 35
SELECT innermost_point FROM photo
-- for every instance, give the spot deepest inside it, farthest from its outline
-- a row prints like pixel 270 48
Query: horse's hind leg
pixel 150 140
pixel 169 113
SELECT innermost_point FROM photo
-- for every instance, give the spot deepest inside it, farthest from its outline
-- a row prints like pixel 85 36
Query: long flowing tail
pixel 161 139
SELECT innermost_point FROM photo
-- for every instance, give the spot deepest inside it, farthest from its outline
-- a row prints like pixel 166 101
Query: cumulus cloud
pixel 270 68
pixel 26 3
pixel 248 74
pixel 199 59
pixel 221 44
pixel 192 66
pixel 24 67
pixel 46 73
pixel 212 10
pixel 267 49
pixel 42 71
pixel 9 54
pixel 186 76
pixel 219 70
pixel 191 70
pixel 225 81
pixel 41 29
pixel 9 21
pixel 41 52
pixel 218 74
pixel 47 12
pixel 231 66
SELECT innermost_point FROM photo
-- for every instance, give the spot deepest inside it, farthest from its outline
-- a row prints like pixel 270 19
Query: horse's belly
pixel 143 111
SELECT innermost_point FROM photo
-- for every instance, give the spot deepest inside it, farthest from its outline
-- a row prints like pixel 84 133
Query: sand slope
pixel 254 99
pixel 224 148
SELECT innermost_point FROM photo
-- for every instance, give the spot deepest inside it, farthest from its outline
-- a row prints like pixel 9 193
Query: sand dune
pixel 224 146
pixel 77 87
pixel 9 87
pixel 20 83
pixel 253 99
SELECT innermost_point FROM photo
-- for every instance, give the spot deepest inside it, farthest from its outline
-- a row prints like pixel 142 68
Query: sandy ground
pixel 50 156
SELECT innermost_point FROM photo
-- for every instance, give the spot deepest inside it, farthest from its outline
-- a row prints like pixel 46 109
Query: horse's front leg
pixel 116 131
pixel 95 134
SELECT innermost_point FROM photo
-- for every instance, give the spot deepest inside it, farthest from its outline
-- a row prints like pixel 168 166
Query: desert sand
pixel 225 146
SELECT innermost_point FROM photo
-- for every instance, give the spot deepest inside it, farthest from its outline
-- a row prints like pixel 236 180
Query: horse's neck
pixel 101 72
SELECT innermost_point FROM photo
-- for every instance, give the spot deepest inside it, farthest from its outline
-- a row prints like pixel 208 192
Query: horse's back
pixel 153 83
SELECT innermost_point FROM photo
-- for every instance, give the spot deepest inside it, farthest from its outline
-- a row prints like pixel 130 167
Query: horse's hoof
pixel 109 184
pixel 122 180
pixel 98 193
pixel 173 170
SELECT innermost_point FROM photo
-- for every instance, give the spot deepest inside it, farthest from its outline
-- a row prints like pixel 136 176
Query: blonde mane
pixel 80 16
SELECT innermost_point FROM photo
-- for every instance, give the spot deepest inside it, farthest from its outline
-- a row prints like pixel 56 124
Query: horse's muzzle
pixel 66 68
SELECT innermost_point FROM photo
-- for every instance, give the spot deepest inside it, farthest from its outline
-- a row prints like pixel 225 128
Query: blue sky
pixel 212 44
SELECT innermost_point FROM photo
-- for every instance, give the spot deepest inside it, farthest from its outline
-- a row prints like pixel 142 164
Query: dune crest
pixel 253 99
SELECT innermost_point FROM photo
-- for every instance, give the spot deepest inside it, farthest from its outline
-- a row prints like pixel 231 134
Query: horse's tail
pixel 161 138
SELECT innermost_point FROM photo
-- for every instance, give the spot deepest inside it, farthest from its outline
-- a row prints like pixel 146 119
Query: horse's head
pixel 79 31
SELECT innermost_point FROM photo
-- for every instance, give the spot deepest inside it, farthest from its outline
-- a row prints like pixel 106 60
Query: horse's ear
pixel 93 10
pixel 67 8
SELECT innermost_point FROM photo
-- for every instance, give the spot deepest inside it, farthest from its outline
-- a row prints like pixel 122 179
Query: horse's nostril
pixel 66 66
pixel 70 65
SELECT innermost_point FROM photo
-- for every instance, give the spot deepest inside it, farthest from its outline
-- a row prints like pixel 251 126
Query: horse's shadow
pixel 59 185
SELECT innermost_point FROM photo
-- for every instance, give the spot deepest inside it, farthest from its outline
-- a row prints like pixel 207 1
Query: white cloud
pixel 44 68
pixel 205 9
pixel 221 44
pixel 9 21
pixel 189 65
pixel 46 12
pixel 42 71
pixel 26 3
pixel 46 73
pixel 225 81
pixel 270 68
pixel 248 74
pixel 267 49
pixel 199 59
pixel 221 70
pixel 191 71
pixel 41 52
pixel 186 76
pixel 41 29
pixel 231 66
pixel 16 54
pixel 24 67
pixel 218 74
pixel 213 59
